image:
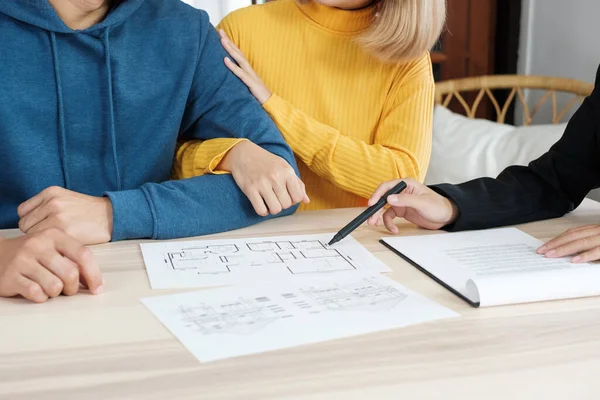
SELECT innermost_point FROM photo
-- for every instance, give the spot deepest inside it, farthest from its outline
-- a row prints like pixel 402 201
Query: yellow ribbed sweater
pixel 352 121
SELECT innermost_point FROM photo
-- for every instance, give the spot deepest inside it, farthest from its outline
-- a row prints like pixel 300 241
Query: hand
pixel 268 181
pixel 46 264
pixel 243 70
pixel 86 218
pixel 417 204
pixel 583 242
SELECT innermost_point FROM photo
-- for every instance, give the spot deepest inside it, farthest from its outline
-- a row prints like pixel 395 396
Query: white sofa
pixel 465 148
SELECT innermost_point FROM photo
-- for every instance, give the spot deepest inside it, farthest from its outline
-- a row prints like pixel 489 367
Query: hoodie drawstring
pixel 111 105
pixel 62 135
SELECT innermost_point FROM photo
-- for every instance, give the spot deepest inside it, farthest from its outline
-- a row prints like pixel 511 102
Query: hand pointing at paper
pixel 417 204
pixel 551 186
pixel 426 208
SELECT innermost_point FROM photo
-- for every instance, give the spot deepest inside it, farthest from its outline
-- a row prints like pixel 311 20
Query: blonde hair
pixel 403 30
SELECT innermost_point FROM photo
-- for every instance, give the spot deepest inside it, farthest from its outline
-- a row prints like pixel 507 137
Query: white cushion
pixel 464 149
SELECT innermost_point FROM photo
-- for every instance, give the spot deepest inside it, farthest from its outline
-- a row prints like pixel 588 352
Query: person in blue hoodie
pixel 94 95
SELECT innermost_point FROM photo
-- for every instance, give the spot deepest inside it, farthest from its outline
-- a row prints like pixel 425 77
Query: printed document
pixel 496 267
pixel 234 321
pixel 224 262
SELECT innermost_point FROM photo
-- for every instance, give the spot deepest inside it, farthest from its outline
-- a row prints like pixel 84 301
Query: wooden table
pixel 110 346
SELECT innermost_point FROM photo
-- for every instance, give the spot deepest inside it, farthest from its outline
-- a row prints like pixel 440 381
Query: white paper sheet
pixel 234 261
pixel 234 321
pixel 498 266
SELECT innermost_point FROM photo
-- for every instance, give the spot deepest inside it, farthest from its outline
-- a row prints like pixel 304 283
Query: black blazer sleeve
pixel 551 186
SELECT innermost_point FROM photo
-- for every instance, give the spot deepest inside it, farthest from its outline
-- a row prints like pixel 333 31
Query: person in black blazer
pixel 551 186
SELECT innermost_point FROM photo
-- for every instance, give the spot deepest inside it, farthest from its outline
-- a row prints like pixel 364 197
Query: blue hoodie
pixel 99 112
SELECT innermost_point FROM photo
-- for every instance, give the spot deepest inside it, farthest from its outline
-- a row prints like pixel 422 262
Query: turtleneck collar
pixel 335 19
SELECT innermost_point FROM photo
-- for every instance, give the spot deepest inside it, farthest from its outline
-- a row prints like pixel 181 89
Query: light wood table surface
pixel 110 346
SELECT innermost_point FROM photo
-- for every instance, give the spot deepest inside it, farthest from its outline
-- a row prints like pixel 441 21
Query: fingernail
pixel 551 253
pixel 576 259
pixel 542 250
pixel 392 200
pixel 99 290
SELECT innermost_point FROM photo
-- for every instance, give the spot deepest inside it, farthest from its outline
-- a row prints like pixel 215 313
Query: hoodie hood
pixel 40 13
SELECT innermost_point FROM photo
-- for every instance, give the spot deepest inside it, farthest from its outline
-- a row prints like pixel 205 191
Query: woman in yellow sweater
pixel 348 83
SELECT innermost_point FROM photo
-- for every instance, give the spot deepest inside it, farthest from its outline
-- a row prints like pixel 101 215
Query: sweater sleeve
pixel 549 187
pixel 196 157
pixel 401 143
pixel 219 106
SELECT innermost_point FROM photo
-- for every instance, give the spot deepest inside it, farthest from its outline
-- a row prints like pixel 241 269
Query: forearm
pixel 197 157
pixel 359 168
pixel 191 207
pixel 333 156
pixel 517 196
pixel 174 209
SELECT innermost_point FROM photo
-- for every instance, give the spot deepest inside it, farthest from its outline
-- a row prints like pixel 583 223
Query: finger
pixel 30 290
pixel 50 283
pixel 31 204
pixel 237 54
pixel 375 218
pixel 271 200
pixel 574 247
pixel 567 237
pixel 34 217
pixel 283 197
pixel 372 221
pixel 222 34
pixel 306 199
pixel 66 270
pixel 84 259
pixel 588 256
pixel 388 219
pixel 240 73
pixel 584 228
pixel 295 190
pixel 240 58
pixel 381 191
pixel 45 224
pixel 258 203
pixel 405 200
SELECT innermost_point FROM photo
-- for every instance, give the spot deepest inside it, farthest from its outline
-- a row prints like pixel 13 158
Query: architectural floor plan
pixel 221 258
pixel 233 321
pixel 225 262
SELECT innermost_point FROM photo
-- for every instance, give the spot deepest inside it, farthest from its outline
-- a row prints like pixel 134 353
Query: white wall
pixel 217 9
pixel 559 38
